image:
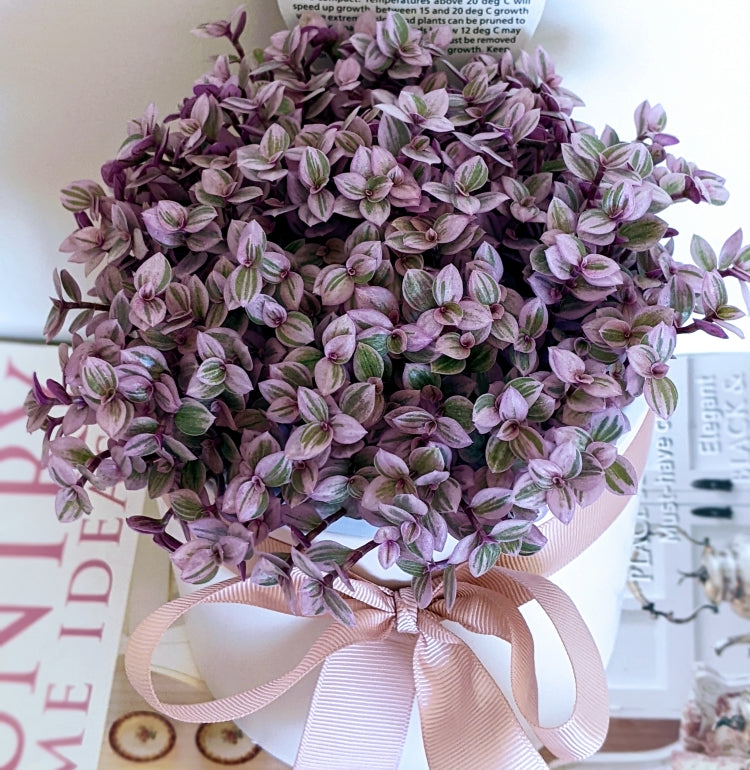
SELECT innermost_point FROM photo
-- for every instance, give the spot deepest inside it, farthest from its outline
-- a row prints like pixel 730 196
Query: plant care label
pixel 478 26
pixel 63 591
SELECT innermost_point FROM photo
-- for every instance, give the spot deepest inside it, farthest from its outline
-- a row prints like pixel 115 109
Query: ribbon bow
pixel 372 671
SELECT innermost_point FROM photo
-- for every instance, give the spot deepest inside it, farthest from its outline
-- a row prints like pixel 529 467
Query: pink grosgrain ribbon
pixel 395 650
pixel 362 703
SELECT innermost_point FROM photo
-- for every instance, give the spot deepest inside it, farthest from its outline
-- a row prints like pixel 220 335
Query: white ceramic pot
pixel 239 647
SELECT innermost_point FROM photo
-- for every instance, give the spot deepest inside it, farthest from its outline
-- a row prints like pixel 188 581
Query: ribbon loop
pixel 423 656
pixel 405 608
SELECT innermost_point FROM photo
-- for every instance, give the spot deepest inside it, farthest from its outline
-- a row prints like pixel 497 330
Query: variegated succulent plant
pixel 349 279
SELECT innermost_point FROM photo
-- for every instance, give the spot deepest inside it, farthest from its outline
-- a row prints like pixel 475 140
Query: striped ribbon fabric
pixel 372 671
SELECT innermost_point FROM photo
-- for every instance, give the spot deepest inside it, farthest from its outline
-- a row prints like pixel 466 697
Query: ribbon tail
pixel 466 720
pixel 584 732
pixel 359 715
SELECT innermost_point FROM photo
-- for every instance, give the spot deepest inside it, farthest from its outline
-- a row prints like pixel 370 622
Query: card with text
pixel 63 592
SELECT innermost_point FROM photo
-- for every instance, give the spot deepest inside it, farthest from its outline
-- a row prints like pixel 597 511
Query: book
pixel 63 592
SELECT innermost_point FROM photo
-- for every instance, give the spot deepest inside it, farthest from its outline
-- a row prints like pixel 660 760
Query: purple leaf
pixel 209 347
pixel 493 503
pixel 448 286
pixel 388 552
pixel 642 358
pixel 98 378
pixel 251 244
pixel 307 442
pixel 251 500
pixel 334 285
pixel 237 380
pixel 566 364
pixel 471 175
pixel 332 490
pixel 411 421
pixel 390 465
pixel 561 502
pixel 449 227
pixel 329 376
pixel 340 348
pixel 196 561
pixel 533 317
pixel 187 506
pixel 141 445
pixel 346 430
pixel 568 459
pixel 358 401
pixel 450 432
pixel 113 416
pixel 312 406
pixel 71 503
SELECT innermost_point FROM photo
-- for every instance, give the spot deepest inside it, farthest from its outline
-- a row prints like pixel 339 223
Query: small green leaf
pixel 193 476
pixel 367 362
pixel 400 28
pixel 99 377
pixel 328 552
pixel 79 196
pixel 606 427
pixel 358 401
pixel 641 161
pixel 588 146
pixel 193 419
pixel 416 376
pixel 314 168
pixel 661 396
pixel 274 470
pixel 296 331
pixel 446 365
pixel 417 289
pixel 421 585
pixel 490 501
pixel 483 287
pixel 583 168
pixel 702 253
pixel 483 558
pixel 621 477
pixel 560 216
pixel 186 504
pixel 472 175
pixel 449 586
pixel 245 284
pixel 481 359
pixel 312 405
pixel 644 233
pixel 528 444
pixel 71 449
pixel 499 455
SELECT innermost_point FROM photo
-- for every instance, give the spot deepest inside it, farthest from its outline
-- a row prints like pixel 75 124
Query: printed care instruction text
pixel 478 26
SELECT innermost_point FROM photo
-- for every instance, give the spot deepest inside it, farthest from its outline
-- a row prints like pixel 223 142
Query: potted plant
pixel 349 283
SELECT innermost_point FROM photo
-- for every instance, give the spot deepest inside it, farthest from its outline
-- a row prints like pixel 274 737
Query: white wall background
pixel 72 72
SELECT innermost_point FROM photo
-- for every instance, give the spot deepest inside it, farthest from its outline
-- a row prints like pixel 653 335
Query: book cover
pixel 63 593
